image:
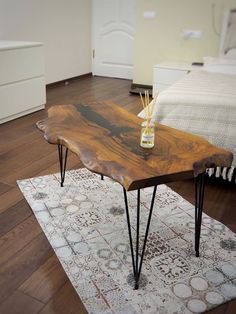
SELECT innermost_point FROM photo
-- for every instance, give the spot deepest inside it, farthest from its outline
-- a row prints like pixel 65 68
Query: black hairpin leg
pixel 62 160
pixel 199 197
pixel 137 264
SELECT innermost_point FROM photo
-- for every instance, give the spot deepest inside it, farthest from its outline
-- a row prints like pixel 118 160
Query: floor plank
pixel 18 238
pixel 227 308
pixel 45 281
pixel 10 198
pixel 4 188
pixel 66 301
pixel 19 303
pixel 22 265
pixel 11 217
pixel 31 169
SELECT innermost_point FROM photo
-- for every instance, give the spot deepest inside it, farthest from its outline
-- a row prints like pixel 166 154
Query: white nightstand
pixel 22 82
pixel 167 73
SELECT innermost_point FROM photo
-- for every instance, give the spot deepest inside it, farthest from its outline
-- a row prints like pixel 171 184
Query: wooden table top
pixel 106 138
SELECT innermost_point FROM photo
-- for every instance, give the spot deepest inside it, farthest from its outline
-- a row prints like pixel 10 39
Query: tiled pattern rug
pixel 85 223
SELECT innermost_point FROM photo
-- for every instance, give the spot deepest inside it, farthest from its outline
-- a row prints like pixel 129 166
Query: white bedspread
pixel 201 103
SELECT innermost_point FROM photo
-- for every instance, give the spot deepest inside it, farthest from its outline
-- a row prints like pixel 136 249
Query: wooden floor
pixel 31 277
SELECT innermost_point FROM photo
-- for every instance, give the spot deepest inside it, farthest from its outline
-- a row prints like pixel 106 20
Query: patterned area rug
pixel 85 223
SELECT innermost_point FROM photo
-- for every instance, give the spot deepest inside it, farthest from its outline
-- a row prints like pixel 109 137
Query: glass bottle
pixel 147 137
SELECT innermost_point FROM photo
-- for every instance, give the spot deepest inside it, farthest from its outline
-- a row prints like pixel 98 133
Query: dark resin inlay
pixel 89 114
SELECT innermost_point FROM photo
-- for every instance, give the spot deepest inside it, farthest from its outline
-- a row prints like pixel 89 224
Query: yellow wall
pixel 161 39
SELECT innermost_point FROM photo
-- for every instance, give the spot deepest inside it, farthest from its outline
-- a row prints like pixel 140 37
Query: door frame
pixel 92 38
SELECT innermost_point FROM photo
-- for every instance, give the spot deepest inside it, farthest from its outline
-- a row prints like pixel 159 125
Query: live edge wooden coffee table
pixel 106 139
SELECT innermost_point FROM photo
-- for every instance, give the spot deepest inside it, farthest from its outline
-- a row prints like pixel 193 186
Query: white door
pixel 113 38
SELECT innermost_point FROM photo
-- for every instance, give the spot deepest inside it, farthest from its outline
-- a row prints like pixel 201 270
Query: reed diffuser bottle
pixel 147 138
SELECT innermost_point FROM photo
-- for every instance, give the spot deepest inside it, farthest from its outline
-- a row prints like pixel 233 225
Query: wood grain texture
pixel 4 188
pixel 19 303
pixel 45 281
pixel 66 301
pixel 10 198
pixel 17 238
pixel 106 139
pixel 11 217
pixel 18 268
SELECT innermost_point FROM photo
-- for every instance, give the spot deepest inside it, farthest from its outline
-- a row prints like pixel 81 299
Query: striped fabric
pixel 204 104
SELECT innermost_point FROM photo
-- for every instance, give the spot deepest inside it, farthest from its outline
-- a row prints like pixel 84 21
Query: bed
pixel 204 101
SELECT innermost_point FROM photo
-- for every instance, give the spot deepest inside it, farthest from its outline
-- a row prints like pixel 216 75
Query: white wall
pixel 161 39
pixel 64 26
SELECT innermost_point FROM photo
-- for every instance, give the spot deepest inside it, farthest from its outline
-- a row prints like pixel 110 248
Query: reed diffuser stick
pixel 144 108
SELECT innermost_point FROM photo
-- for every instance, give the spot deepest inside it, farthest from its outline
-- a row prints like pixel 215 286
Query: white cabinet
pixel 22 82
pixel 167 73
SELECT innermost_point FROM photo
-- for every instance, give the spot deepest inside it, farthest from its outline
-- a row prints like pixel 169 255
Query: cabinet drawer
pixel 168 76
pixel 21 96
pixel 20 64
